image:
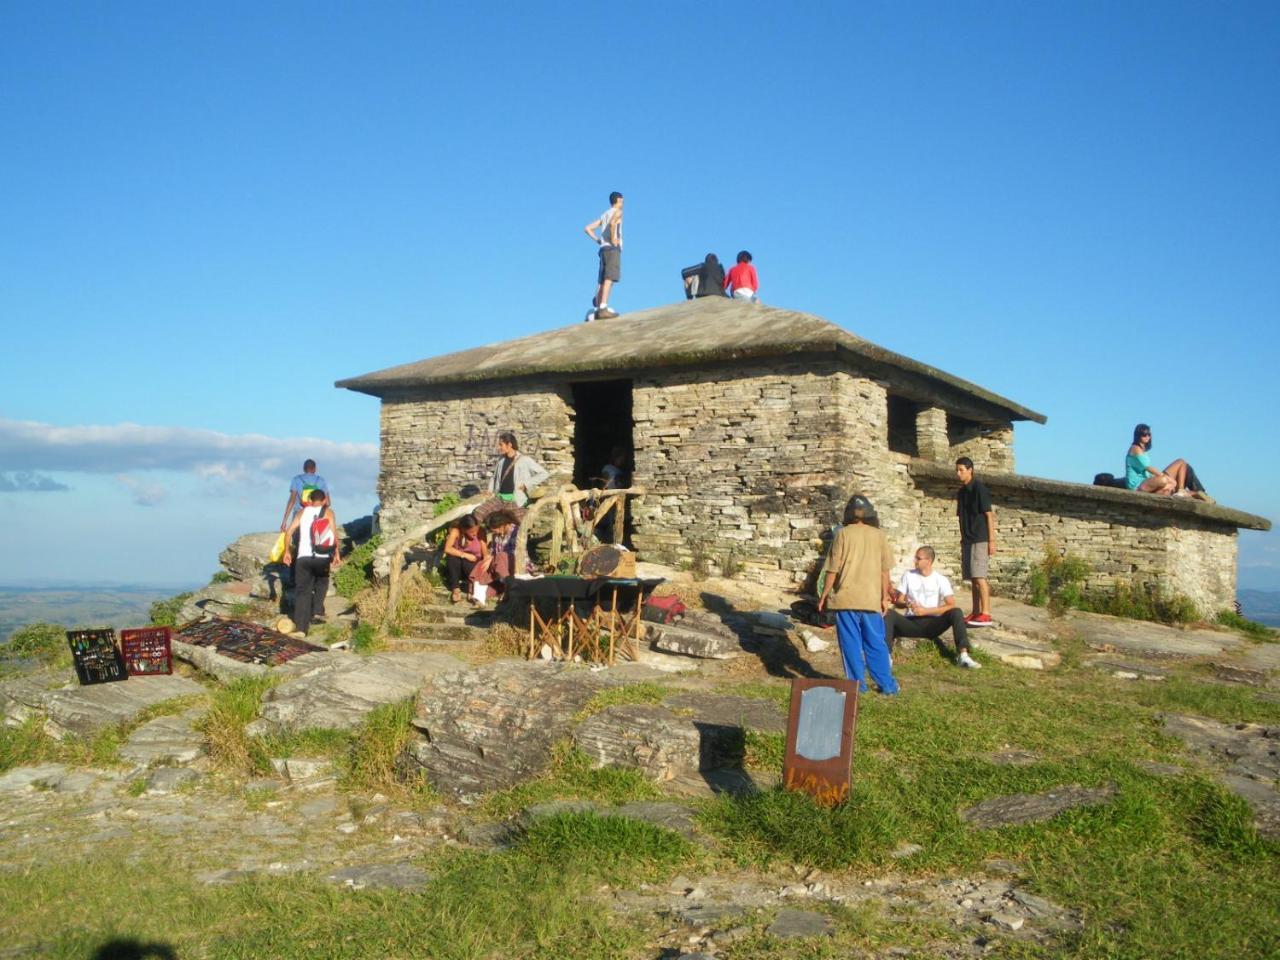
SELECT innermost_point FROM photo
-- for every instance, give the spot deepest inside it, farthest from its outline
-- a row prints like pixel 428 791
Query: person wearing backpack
pixel 318 553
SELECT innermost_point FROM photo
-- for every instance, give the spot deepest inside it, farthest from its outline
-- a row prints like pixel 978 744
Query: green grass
pixel 643 692
pixel 570 776
pixel 515 906
pixel 370 762
pixel 45 643
pixel 164 613
pixel 1250 628
pixel 1170 867
pixel 231 707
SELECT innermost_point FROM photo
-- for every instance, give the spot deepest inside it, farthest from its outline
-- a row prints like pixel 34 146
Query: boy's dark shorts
pixel 610 265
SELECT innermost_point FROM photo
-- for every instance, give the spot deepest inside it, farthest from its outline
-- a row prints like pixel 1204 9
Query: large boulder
pixel 84 711
pixel 245 558
pixel 336 690
pixel 490 728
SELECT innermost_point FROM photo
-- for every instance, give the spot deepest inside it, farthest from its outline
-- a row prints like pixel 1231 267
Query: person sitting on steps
pixel 464 553
pixel 930 606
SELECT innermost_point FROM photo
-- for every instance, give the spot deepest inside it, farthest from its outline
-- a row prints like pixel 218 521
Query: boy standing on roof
pixel 609 241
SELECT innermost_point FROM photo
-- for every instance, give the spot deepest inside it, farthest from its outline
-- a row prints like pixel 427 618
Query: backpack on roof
pixel 324 536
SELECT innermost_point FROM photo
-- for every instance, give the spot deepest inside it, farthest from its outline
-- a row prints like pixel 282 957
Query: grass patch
pixel 356 572
pixel 570 776
pixel 231 707
pixel 516 906
pixel 364 638
pixel 1229 703
pixel 27 744
pixel 371 762
pixel 643 692
pixel 1250 628
pixel 616 849
pixel 164 613
pixel 45 643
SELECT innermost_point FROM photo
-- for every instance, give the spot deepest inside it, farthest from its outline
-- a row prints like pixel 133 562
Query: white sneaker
pixel 964 660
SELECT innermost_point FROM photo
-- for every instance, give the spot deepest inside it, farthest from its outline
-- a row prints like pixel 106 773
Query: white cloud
pixel 228 462
pixel 144 494
pixel 25 481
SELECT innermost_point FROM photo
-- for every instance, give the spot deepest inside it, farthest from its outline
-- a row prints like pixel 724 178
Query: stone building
pixel 749 427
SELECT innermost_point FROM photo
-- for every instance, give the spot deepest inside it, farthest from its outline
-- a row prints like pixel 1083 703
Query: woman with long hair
pixel 1178 479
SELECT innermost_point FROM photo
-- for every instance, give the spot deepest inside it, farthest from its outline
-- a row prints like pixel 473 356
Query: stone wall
pixel 1133 543
pixel 438 442
pixel 756 462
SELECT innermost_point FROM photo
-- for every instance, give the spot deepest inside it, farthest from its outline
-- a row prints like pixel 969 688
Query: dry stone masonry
pixel 751 426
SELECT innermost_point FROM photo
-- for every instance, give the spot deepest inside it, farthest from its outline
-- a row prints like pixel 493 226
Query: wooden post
pixel 620 520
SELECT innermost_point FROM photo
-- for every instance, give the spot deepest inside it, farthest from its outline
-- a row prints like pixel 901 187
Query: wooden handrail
pixel 563 496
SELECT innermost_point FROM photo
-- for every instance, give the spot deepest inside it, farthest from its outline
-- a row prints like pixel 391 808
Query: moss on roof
pixel 688 333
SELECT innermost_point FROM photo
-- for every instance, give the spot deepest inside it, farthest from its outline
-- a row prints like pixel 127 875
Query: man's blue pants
pixel 861 635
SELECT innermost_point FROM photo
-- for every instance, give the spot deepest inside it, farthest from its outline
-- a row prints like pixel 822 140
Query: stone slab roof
pixel 684 334
pixel 1172 507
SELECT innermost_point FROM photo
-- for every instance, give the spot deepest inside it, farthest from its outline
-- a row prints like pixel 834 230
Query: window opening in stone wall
pixel 902 425
pixel 602 424
pixel 960 429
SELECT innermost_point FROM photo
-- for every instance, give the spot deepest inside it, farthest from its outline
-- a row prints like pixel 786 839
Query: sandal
pixel 1203 497
pixel 456 597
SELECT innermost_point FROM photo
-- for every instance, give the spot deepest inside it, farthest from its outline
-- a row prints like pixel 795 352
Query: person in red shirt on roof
pixel 743 279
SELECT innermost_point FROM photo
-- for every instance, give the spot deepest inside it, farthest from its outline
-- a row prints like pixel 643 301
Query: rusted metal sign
pixel 819 758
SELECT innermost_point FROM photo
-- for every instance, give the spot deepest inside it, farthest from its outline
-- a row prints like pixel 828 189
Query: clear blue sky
pixel 210 212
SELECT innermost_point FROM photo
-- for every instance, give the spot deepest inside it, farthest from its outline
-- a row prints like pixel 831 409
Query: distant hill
pixel 114 605
pixel 1261 605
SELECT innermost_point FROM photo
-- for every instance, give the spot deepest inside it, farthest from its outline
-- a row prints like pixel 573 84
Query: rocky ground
pixel 685 719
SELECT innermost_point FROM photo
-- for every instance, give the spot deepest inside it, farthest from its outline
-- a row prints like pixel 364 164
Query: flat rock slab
pixel 45 776
pixel 752 713
pixel 210 661
pixel 490 728
pixel 171 739
pixel 691 642
pixel 23 697
pixel 793 924
pixel 1263 800
pixel 1259 656
pixel 340 690
pixel 86 710
pixel 1020 808
pixel 1154 640
pixel 669 816
pixel 1244 749
pixel 387 876
pixel 658 742
pixel 1014 649
pixel 165 780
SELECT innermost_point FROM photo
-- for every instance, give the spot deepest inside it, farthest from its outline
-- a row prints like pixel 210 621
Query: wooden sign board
pixel 819 758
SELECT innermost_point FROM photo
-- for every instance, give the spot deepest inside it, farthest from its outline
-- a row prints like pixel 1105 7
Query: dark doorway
pixel 602 425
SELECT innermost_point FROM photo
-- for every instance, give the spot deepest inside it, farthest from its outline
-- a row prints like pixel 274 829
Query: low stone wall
pixel 1182 546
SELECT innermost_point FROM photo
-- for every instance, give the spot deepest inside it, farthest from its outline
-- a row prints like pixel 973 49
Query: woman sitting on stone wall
pixel 1178 479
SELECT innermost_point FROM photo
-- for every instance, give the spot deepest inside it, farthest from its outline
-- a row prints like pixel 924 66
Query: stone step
pixel 443 632
pixel 447 612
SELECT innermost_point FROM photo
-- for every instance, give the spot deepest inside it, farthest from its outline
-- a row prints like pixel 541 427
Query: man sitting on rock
pixel 930 606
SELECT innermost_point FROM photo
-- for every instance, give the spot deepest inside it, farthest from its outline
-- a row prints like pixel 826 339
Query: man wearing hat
pixel 857 591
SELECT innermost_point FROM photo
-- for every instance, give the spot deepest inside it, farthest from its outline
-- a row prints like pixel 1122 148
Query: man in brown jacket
pixel 857 590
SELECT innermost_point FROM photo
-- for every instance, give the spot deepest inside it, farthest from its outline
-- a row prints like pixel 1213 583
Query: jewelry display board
pixel 246 642
pixel 147 651
pixel 97 658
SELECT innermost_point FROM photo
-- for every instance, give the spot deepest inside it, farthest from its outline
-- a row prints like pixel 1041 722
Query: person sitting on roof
pixel 1178 479
pixel 743 279
pixel 706 281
